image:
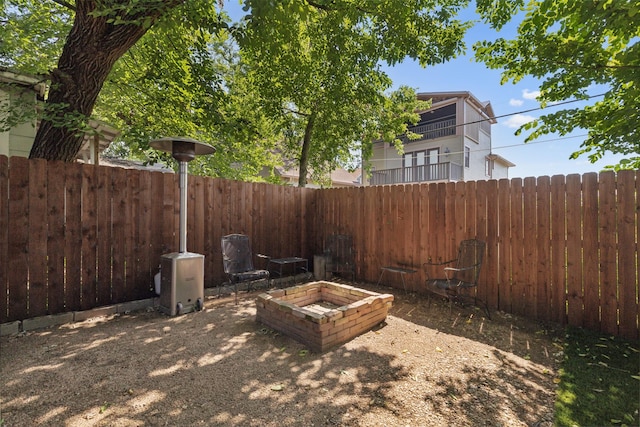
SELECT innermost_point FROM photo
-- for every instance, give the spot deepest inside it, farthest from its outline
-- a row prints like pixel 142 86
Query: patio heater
pixel 182 273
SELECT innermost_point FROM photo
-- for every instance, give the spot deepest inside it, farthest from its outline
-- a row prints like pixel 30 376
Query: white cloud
pixel 518 120
pixel 516 102
pixel 530 94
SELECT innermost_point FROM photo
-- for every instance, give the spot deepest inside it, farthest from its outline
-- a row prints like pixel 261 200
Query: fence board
pixel 608 256
pixel 574 252
pixel 89 220
pixel 156 225
pixel 4 235
pixel 119 249
pixel 590 247
pixel 543 242
pixel 530 272
pixel 489 193
pixel 504 221
pixel 73 241
pixel 18 226
pixel 628 208
pixel 518 276
pixel 558 261
pixel 131 233
pixel 104 192
pixel 56 178
pixel 37 246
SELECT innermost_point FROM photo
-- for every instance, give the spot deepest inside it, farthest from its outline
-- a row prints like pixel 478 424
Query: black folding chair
pixel 237 260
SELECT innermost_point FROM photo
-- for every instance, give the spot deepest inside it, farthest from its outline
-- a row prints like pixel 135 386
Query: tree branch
pixel 66 4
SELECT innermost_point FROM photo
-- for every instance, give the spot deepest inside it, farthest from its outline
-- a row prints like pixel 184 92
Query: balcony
pixel 426 173
pixel 433 130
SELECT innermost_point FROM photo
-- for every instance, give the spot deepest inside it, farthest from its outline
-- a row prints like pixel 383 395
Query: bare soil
pixel 429 364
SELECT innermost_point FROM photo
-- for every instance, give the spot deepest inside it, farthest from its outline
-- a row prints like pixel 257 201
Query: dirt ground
pixel 427 365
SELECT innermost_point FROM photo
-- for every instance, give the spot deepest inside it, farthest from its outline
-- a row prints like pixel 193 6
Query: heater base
pixel 181 283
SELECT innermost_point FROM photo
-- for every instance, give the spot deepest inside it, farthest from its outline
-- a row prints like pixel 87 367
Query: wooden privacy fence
pixel 560 249
pixel 75 236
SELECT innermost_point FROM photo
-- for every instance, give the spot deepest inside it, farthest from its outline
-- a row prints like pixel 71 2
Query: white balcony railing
pixel 434 172
pixel 439 129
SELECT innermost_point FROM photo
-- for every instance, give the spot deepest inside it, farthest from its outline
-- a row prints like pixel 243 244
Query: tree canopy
pixel 156 67
pixel 579 49
pixel 318 66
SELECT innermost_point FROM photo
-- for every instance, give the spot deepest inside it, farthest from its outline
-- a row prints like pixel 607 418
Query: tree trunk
pixel 304 155
pixel 92 47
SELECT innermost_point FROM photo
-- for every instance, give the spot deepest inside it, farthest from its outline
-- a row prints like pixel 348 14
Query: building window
pixel 488 166
pixel 467 155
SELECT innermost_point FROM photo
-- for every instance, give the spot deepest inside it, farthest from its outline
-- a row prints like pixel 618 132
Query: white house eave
pixel 501 160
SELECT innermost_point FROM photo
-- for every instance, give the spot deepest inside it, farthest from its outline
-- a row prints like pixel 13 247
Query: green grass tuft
pixel 599 381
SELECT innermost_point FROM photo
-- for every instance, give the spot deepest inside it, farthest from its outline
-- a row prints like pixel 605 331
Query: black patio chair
pixel 237 260
pixel 340 255
pixel 460 283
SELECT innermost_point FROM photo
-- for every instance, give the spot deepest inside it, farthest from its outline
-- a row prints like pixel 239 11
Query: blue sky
pixel 549 155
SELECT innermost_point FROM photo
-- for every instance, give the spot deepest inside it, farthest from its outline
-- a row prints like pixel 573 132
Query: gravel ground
pixel 427 365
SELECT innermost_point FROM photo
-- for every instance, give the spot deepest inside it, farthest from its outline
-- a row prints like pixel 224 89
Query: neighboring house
pixel 19 92
pixel 455 145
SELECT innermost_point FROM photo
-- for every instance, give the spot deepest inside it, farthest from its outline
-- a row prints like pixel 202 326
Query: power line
pixel 492 149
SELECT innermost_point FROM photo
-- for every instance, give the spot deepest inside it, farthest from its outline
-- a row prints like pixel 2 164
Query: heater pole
pixel 183 207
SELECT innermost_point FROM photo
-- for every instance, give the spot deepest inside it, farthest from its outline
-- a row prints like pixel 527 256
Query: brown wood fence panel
pixel 558 259
pixel 518 275
pixel 56 182
pixel 543 244
pixel 88 282
pixel 561 249
pixel 590 251
pixel 38 231
pixel 18 229
pixel 628 208
pixel 608 254
pixel 4 236
pixel 574 249
pixel 104 192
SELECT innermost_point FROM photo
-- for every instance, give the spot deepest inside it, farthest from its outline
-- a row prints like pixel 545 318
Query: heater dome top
pixel 182 148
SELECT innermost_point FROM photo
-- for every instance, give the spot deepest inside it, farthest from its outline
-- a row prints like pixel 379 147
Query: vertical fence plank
pixel 543 243
pixel 489 193
pixel 119 248
pixel 529 215
pixel 504 215
pixel 89 234
pixel 105 239
pixel 628 207
pixel 18 261
pixel 156 225
pixel 73 240
pixel 37 246
pixel 212 239
pixel 143 276
pixel 558 261
pixel 574 250
pixel 199 216
pixel 591 281
pixel 518 276
pixel 132 207
pixel 608 253
pixel 170 209
pixel 56 181
pixel 4 236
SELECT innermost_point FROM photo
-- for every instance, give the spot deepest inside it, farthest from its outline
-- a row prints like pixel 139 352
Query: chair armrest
pixel 439 263
pixel 461 269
